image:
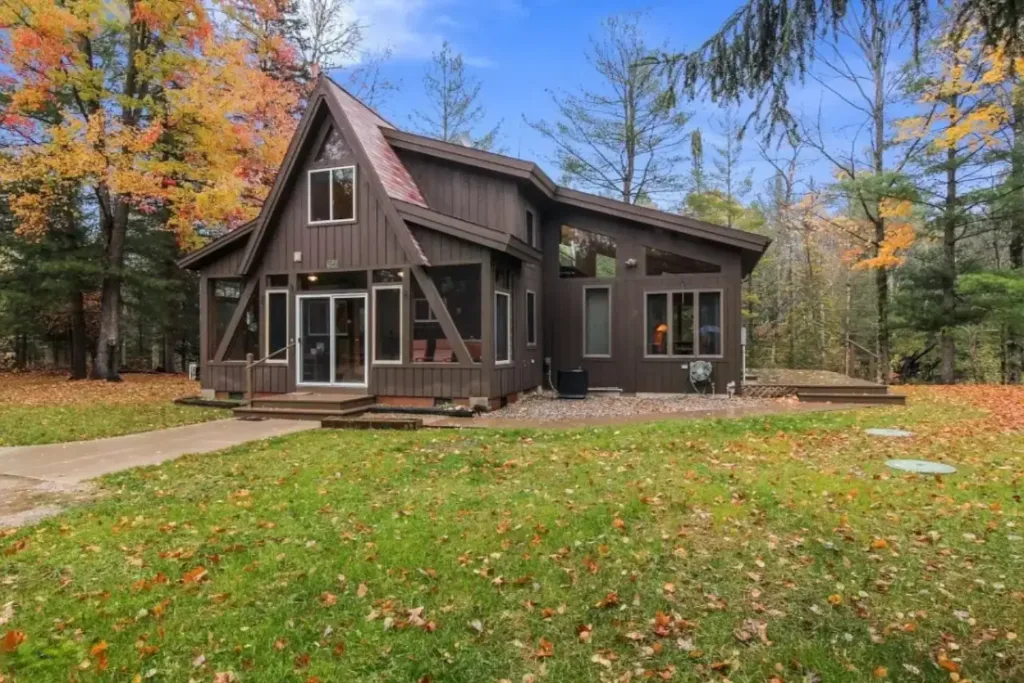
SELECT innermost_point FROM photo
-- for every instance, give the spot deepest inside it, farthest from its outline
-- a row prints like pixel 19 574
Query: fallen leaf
pixel 12 639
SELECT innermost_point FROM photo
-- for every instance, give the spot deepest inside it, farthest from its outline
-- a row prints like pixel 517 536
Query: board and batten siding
pixel 367 242
pixel 627 368
pixel 473 195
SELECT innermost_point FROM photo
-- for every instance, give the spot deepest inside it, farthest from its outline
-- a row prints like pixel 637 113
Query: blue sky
pixel 519 49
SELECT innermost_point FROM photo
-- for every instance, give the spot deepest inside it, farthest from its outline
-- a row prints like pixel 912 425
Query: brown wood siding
pixel 627 368
pixel 472 195
pixel 440 248
pixel 368 242
pixel 227 265
pixel 425 380
pixel 267 379
pixel 527 368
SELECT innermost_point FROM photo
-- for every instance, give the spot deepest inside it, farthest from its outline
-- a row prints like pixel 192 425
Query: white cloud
pixel 413 29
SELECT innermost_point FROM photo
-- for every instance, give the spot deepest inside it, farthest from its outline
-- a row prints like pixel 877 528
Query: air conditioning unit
pixel 573 383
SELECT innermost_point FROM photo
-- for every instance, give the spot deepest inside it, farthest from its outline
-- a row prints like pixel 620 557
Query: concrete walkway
pixel 71 463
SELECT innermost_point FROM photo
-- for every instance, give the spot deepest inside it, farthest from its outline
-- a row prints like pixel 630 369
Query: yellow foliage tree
pixel 147 106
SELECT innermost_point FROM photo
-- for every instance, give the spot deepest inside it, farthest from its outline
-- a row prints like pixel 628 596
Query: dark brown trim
pixel 443 316
pixel 236 317
pixel 195 260
pixel 470 232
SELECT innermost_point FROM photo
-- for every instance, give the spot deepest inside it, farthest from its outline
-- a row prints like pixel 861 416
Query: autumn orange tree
pixel 954 175
pixel 149 109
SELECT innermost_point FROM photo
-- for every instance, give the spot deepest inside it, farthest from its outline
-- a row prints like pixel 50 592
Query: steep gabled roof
pixel 361 127
pixel 375 141
pixel 367 125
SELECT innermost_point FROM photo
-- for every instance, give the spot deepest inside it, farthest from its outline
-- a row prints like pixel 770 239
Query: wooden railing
pixel 250 364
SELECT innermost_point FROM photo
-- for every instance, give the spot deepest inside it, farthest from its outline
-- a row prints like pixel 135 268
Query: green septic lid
pixel 921 466
pixel 891 433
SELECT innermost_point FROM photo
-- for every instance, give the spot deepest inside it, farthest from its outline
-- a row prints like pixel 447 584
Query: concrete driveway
pixel 36 480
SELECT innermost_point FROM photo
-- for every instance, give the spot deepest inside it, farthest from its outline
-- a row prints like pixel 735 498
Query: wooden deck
pixel 819 386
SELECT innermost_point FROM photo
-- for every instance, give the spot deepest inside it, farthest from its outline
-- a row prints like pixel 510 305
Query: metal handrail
pixel 250 364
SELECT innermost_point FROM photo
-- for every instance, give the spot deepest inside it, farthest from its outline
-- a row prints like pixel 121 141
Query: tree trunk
pixel 114 224
pixel 947 341
pixel 1015 342
pixel 883 366
pixel 78 336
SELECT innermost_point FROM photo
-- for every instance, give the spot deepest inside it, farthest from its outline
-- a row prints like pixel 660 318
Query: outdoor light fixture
pixel 312 278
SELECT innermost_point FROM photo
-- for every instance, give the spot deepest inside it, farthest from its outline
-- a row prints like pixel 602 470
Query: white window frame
pixel 696 323
pixel 282 359
pixel 331 331
pixel 401 323
pixel 531 343
pixel 508 327
pixel 330 195
pixel 611 349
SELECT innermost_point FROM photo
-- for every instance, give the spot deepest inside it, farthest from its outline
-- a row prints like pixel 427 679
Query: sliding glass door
pixel 333 343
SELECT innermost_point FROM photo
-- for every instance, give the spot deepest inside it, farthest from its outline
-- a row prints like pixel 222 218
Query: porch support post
pixel 487 322
pixel 205 332
pixel 236 318
pixel 443 317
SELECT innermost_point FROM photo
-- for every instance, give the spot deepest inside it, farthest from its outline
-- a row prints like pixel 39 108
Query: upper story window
pixel 585 254
pixel 531 230
pixel 332 195
pixel 667 263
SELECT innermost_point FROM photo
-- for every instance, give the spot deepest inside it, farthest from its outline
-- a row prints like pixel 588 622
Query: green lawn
pixel 31 425
pixel 750 550
pixel 41 408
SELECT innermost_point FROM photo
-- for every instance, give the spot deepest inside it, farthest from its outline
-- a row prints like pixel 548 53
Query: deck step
pixel 334 403
pixel 299 413
pixel 375 422
pixel 844 397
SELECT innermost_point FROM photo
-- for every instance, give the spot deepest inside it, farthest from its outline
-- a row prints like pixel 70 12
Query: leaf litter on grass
pixel 763 549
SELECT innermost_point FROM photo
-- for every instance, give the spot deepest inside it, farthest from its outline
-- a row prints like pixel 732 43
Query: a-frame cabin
pixel 416 271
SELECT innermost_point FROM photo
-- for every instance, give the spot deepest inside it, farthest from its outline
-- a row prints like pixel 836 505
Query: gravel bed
pixel 547 407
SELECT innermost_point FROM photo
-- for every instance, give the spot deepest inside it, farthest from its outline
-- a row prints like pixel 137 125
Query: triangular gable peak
pixel 367 124
pixel 326 108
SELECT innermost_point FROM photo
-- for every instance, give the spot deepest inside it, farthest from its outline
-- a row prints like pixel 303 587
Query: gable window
pixel 683 324
pixel 531 318
pixel 531 234
pixel 597 322
pixel 502 327
pixel 332 195
pixel 667 263
pixel 585 254
pixel 277 325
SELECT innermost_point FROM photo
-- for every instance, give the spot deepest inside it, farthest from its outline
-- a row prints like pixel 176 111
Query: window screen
pixel 387 345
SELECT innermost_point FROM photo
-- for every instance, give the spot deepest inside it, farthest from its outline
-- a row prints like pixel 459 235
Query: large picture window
pixel 597 322
pixel 332 195
pixel 387 331
pixel 502 327
pixel 277 325
pixel 683 324
pixel 585 254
